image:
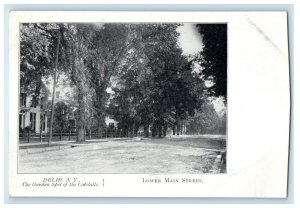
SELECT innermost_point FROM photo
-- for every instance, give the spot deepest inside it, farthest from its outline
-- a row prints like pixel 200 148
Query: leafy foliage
pixel 61 114
pixel 156 86
pixel 213 58
pixel 207 121
pixel 36 55
pixel 153 84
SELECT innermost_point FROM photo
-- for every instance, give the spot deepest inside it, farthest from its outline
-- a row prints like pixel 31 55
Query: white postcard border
pixel 257 141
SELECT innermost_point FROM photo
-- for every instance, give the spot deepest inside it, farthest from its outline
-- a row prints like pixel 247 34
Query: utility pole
pixel 53 91
pixel 134 114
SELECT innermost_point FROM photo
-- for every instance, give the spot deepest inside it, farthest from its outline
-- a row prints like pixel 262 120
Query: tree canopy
pixel 152 83
pixel 213 58
pixel 156 86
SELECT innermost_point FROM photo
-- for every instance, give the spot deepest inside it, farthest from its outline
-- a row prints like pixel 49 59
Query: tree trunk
pixel 90 134
pixel 28 136
pixel 99 106
pixel 41 136
pixel 101 125
pixel 146 130
pixel 177 128
pixel 181 129
pixel 128 132
pixel 81 107
pixel 159 131
pixel 53 92
pixel 80 134
pixel 133 128
pixel 174 129
pixel 60 135
pixel 165 130
pixel 154 130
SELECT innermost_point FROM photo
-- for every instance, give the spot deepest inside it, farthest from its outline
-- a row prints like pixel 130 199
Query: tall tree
pixel 37 53
pixel 156 85
pixel 213 58
pixel 176 92
pixel 206 121
pixel 39 47
pixel 74 53
pixel 107 45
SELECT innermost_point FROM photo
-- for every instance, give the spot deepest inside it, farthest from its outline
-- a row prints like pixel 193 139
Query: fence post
pixel 41 136
pixel 28 136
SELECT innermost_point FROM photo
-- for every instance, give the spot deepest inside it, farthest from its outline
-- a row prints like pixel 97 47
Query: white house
pixel 35 116
pixel 30 115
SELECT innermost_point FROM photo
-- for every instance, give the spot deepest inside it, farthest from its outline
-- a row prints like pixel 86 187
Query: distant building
pixel 36 117
pixel 33 116
pixel 110 122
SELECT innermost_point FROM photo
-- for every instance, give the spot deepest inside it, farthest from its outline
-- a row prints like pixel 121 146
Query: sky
pixel 189 39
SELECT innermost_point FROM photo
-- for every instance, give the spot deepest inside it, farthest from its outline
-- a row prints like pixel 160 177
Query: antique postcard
pixel 148 104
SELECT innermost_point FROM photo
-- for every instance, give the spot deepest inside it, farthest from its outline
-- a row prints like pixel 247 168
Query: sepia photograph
pixel 122 98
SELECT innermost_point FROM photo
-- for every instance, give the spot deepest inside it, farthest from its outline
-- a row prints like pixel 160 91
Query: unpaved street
pixel 198 154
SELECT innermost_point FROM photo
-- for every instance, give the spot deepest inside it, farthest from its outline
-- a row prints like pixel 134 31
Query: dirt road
pixel 183 154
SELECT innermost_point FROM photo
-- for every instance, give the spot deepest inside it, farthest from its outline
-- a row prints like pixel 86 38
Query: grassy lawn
pixel 182 154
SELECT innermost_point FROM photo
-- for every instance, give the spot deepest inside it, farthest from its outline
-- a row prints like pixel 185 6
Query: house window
pixel 33 105
pixel 21 121
pixel 33 121
pixel 72 123
pixel 43 102
pixel 43 122
pixel 23 99
pixel 111 125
